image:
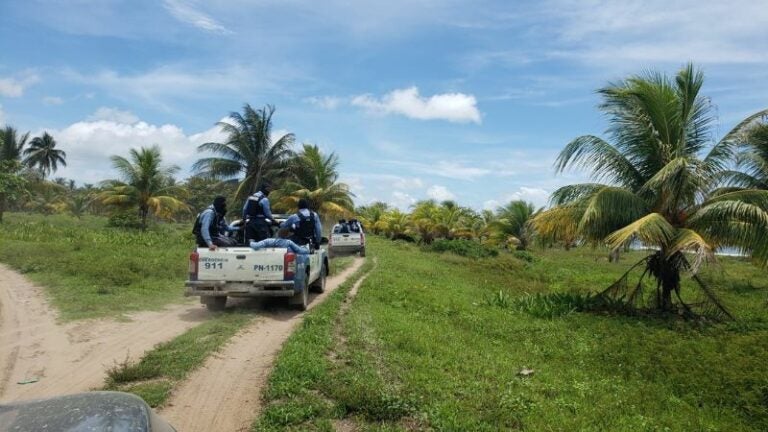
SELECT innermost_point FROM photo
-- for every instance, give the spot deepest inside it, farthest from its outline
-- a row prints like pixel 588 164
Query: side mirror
pixel 324 240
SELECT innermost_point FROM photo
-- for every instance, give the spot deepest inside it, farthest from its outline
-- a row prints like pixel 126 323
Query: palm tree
pixel 12 185
pixel 371 214
pixel 145 184
pixel 314 177
pixel 653 184
pixel 752 161
pixel 43 154
pixel 513 224
pixel 395 225
pixel 249 152
pixel 11 144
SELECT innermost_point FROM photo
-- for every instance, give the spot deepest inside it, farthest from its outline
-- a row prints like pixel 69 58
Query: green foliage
pixel 92 270
pixel 43 154
pixel 314 177
pixel 249 150
pixel 124 220
pixel 437 342
pixel 154 376
pixel 525 256
pixel 467 248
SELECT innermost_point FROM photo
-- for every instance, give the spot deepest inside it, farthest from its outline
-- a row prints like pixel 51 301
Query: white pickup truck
pixel 344 240
pixel 244 272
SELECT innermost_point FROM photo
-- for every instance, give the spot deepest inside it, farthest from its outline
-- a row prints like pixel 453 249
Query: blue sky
pixel 469 100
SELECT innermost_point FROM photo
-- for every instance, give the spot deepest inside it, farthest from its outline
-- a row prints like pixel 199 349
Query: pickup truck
pixel 243 272
pixel 346 241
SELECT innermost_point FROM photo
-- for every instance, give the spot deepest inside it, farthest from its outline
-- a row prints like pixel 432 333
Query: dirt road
pixel 224 394
pixel 55 359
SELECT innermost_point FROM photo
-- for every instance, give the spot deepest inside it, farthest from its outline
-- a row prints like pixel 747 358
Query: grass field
pixel 91 270
pixel 428 344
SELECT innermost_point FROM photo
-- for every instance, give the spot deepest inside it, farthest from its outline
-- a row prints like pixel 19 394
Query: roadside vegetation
pixel 92 270
pixel 155 375
pixel 453 343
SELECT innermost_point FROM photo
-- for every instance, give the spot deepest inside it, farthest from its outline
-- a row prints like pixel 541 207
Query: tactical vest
pixel 254 208
pixel 213 229
pixel 306 228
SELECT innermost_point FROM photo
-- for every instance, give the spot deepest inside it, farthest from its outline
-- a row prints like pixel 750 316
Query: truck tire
pixel 319 285
pixel 301 300
pixel 215 304
pixel 362 252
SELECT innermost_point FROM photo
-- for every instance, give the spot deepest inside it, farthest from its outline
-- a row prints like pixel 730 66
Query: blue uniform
pixel 280 243
pixel 207 217
pixel 293 221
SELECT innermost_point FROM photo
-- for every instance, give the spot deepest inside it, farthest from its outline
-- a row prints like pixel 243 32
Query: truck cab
pixel 347 238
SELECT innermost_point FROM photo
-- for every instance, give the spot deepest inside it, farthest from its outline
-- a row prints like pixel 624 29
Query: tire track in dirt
pixel 225 393
pixel 71 357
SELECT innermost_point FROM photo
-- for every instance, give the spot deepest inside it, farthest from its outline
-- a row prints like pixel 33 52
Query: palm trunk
pixel 666 270
pixel 143 211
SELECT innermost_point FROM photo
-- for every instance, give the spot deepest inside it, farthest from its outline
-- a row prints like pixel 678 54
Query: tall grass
pixel 91 270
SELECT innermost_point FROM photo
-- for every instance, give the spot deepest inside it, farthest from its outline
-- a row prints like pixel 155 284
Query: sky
pixel 443 99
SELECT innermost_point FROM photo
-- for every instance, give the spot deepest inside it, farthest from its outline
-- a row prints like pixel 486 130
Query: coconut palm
pixel 314 177
pixel 145 184
pixel 752 161
pixel 513 224
pixel 249 151
pixel 11 144
pixel 653 184
pixel 371 214
pixel 43 154
pixel 394 225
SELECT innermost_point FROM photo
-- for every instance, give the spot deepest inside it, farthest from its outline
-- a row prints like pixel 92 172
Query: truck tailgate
pixel 241 264
pixel 351 239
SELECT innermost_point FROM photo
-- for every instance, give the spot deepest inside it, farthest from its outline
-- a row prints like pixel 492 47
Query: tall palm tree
pixel 11 144
pixel 314 177
pixel 752 161
pixel 43 154
pixel 653 184
pixel 513 223
pixel 371 214
pixel 145 184
pixel 249 152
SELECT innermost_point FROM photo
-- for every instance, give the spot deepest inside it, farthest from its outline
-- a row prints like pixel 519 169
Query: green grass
pixel 90 270
pixel 426 345
pixel 339 264
pixel 154 376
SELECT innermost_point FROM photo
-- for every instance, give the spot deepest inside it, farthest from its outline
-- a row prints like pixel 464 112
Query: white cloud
pixel 440 193
pixel 646 31
pixel 185 12
pixel 325 102
pixel 90 143
pixel 402 200
pixel 448 169
pixel 454 107
pixel 491 205
pixel 14 87
pixel 114 115
pixel 53 100
pixel 539 197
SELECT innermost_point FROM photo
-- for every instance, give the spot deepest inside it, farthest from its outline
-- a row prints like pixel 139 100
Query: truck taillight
pixel 289 266
pixel 194 259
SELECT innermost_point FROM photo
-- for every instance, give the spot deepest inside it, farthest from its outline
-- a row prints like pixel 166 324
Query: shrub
pixel 467 248
pixel 525 256
pixel 124 220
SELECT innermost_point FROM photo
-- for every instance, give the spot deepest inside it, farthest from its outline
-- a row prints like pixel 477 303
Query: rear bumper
pixel 345 248
pixel 239 289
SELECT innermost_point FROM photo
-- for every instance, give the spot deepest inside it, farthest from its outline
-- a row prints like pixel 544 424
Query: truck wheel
pixel 362 252
pixel 301 300
pixel 319 285
pixel 215 304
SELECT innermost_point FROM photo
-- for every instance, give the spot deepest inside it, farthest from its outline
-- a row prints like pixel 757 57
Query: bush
pixel 467 248
pixel 124 220
pixel 525 256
